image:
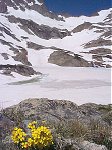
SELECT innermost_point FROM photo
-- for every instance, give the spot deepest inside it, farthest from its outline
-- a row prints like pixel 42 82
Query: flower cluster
pixel 39 138
pixel 18 135
pixel 42 136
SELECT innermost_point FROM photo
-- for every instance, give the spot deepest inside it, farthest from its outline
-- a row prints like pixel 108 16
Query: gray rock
pixel 7 72
pixel 5 43
pixel 97 57
pixel 8 32
pixel 81 27
pixel 98 42
pixel 56 110
pixel 35 46
pixel 92 146
pixel 16 4
pixel 107 34
pixel 22 56
pixel 100 51
pixel 21 69
pixel 45 12
pixel 3 7
pixel 62 58
pixel 42 31
pixel 5 55
pixel 108 66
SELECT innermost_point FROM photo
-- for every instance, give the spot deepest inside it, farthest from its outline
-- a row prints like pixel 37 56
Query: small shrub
pixel 71 129
pixel 100 134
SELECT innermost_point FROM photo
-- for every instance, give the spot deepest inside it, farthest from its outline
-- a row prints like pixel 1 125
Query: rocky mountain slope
pixel 31 35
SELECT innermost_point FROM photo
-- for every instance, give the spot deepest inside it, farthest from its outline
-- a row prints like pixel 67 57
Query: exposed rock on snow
pixel 100 51
pixel 98 42
pixel 20 69
pixel 22 57
pixel 35 46
pixel 3 7
pixel 64 59
pixel 81 27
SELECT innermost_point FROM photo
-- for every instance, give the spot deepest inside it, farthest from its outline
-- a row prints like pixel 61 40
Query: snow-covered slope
pixel 26 22
pixel 31 38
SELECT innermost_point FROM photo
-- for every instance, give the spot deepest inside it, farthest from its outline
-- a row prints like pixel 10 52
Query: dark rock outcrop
pixel 97 57
pixel 98 42
pixel 29 4
pixel 6 43
pixel 5 55
pixel 42 31
pixel 8 32
pixel 22 57
pixel 3 7
pixel 81 27
pixel 100 51
pixel 20 69
pixel 35 46
pixel 106 34
pixel 64 59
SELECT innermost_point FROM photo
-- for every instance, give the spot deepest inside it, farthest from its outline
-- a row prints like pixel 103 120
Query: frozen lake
pixel 80 85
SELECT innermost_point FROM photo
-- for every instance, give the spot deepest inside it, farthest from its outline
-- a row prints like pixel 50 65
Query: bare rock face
pixel 35 46
pixel 107 34
pixel 97 57
pixel 100 51
pixel 81 27
pixel 29 4
pixel 63 59
pixel 98 42
pixel 5 55
pixel 3 7
pixel 8 32
pixel 42 31
pixel 20 69
pixel 22 56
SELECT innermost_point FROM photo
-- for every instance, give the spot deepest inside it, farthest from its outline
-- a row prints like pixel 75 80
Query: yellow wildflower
pixel 30 142
pixel 24 144
pixel 18 135
pixel 32 125
pixel 42 136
